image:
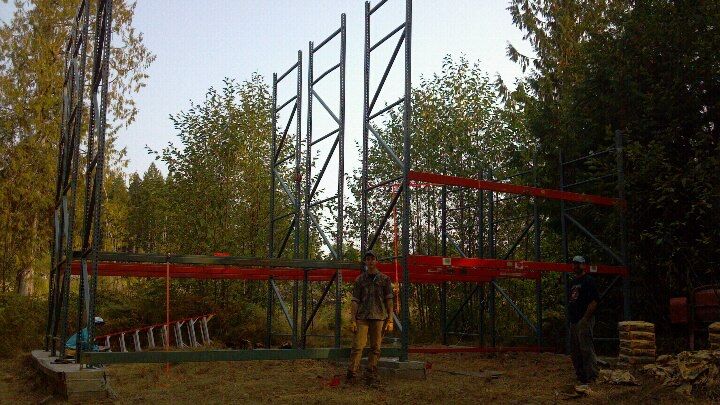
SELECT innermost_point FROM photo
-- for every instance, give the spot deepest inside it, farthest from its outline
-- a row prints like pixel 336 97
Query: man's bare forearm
pixel 353 310
pixel 590 310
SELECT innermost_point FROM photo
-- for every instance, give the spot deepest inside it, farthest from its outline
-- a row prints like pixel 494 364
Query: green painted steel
pixel 224 355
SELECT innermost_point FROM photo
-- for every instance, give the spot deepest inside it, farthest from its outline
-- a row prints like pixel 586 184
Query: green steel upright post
pixel 298 198
pixel 627 310
pixel 538 282
pixel 407 164
pixel 566 281
pixel 491 286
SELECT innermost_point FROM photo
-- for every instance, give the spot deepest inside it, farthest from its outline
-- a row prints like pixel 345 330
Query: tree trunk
pixel 25 286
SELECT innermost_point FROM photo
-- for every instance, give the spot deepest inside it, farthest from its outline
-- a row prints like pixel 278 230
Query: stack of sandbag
pixel 714 335
pixel 637 342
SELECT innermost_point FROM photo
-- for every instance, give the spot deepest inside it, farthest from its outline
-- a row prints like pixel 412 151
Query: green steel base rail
pixel 94 358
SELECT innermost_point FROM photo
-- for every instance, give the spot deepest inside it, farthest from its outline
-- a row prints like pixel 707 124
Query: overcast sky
pixel 198 43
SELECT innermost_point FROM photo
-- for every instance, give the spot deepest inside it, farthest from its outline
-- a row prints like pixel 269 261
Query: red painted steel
pixel 679 310
pixel 421 275
pixel 509 266
pixel 423 270
pixel 552 194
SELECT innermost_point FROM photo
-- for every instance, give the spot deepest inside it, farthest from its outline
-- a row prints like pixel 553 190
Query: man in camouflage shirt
pixel 371 314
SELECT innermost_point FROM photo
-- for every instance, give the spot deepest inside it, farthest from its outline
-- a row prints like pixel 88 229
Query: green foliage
pixel 31 81
pixel 22 320
pixel 217 178
pixel 147 211
pixel 460 127
pixel 648 69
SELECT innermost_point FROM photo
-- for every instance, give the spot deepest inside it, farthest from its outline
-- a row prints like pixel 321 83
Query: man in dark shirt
pixel 582 302
pixel 371 315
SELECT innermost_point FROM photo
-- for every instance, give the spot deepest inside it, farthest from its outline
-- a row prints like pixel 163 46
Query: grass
pixel 527 377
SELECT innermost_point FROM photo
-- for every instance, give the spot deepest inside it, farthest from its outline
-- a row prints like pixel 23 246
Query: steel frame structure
pixel 493 188
pixel 62 255
pixel 369 114
pixel 66 185
pixel 293 196
pixel 312 182
pixel 620 257
pixel 299 202
pixel 487 301
pixel 305 222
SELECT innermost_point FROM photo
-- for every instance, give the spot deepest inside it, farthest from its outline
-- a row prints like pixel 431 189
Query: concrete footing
pixel 69 380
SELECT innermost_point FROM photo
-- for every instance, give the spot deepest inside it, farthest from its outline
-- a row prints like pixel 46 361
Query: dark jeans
pixel 582 351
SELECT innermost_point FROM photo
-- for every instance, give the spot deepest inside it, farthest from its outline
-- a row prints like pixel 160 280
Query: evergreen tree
pixel 31 81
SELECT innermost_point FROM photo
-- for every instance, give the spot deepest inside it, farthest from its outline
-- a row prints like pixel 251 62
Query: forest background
pixel 646 69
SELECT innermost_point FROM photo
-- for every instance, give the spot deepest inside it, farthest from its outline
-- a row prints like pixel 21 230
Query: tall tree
pixel 460 127
pixel 218 181
pixel 31 82
pixel 147 211
pixel 648 69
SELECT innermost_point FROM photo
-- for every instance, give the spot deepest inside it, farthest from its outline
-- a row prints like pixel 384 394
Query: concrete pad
pixel 70 380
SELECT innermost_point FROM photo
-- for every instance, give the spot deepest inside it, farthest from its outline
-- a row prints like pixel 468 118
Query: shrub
pixel 22 320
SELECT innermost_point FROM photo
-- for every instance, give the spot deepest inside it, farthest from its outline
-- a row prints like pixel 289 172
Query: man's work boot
pixel 351 378
pixel 372 378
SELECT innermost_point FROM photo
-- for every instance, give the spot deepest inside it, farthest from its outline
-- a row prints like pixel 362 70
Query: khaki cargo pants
pixel 374 329
pixel 582 351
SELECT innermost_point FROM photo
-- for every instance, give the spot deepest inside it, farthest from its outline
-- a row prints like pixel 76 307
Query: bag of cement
pixel 637 344
pixel 638 352
pixel 640 326
pixel 635 335
pixel 635 360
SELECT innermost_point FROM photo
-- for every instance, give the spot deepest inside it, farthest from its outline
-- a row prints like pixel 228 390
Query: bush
pixel 22 320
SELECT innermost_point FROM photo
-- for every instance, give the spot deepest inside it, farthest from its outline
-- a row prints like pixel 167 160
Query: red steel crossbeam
pixel 422 269
pixel 419 274
pixel 441 179
pixel 509 266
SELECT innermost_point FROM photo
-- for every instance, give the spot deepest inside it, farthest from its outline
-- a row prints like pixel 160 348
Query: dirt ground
pixel 526 378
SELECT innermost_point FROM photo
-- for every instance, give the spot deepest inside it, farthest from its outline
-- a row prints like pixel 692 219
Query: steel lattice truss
pixel 296 198
pixel 68 168
pixel 66 185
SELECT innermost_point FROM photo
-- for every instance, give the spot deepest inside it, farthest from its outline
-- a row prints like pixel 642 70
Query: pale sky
pixel 198 43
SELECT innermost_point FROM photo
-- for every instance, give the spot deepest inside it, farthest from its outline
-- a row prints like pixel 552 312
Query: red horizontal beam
pixel 420 274
pixel 506 268
pixel 552 194
pixel 422 269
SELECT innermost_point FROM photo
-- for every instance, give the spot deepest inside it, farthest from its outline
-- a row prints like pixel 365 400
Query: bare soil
pixel 526 378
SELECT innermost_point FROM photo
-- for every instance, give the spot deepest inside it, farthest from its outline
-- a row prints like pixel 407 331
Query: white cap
pixel 578 259
pixel 99 320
